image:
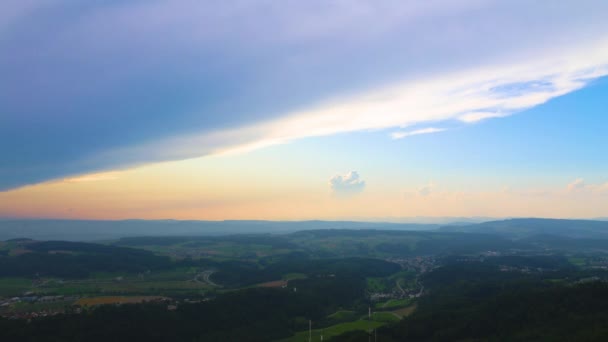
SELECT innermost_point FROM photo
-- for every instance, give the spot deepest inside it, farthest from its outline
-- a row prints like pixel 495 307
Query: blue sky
pixel 548 145
pixel 390 98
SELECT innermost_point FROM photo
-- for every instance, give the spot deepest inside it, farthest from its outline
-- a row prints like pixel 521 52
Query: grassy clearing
pixel 393 304
pixel 177 281
pixel 334 330
pixel 343 315
pixel 151 286
pixel 349 322
pixel 385 316
pixel 116 300
pixel 92 287
pixel 276 283
pixel 183 273
pixel 577 261
pixel 294 276
pixel 404 312
pixel 30 307
pixel 14 286
pixel 377 285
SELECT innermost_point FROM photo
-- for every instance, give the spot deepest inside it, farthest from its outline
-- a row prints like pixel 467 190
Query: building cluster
pixel 419 265
pixel 31 306
pixel 597 262
pixel 8 305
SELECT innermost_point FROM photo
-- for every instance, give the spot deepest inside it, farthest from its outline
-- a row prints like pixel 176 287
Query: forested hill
pixel 474 300
pixel 528 227
pixel 29 258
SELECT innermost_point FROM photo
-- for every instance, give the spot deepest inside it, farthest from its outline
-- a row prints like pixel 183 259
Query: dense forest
pixel 475 301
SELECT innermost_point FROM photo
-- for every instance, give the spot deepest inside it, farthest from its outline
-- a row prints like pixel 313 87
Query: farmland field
pixel 404 312
pixel 385 316
pixel 91 301
pixel 393 303
pixel 334 330
pixel 13 286
pixel 276 283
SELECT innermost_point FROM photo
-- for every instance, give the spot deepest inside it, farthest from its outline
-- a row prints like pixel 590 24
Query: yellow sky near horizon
pixel 187 190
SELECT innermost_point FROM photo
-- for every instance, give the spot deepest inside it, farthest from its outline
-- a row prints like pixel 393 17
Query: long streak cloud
pixel 90 87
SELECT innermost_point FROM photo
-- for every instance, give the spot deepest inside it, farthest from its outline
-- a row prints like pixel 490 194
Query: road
pixel 206 278
pixel 399 287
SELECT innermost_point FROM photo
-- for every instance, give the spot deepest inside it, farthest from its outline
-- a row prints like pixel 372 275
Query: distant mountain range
pixel 83 230
pixel 527 227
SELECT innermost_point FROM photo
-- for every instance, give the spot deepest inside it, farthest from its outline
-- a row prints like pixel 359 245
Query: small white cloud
pixel 577 185
pixel 401 135
pixel 346 185
pixel 426 190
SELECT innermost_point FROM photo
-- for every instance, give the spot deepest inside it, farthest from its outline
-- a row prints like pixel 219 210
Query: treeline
pixel 432 243
pixel 274 241
pixel 405 243
pixel 78 260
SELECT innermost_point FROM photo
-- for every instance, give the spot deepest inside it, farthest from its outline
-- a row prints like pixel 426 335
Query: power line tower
pixel 369 319
pixel 309 330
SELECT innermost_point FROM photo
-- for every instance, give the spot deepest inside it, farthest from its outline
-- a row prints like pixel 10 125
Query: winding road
pixel 206 278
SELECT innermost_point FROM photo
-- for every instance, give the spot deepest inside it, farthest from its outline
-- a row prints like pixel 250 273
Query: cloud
pixel 86 88
pixel 403 134
pixel 602 189
pixel 473 117
pixel 439 99
pixel 426 190
pixel 96 177
pixel 577 185
pixel 346 185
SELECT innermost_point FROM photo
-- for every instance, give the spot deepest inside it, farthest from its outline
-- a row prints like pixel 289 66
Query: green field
pixel 349 321
pixel 124 287
pixel 294 276
pixel 334 330
pixel 29 307
pixel 384 316
pixel 10 287
pixel 393 304
pixel 220 250
pixel 404 312
pixel 348 246
pixel 177 281
pixel 378 284
pixel 577 261
pixel 343 316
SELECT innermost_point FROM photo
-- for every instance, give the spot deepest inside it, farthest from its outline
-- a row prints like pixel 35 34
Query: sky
pixel 297 110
